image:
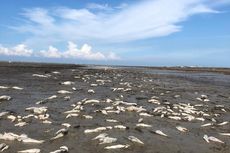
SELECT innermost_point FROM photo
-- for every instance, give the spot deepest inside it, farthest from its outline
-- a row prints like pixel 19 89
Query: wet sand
pixel 163 83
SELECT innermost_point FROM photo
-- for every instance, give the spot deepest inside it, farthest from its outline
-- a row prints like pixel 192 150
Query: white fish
pixel 12 118
pixel 67 83
pixel 46 122
pixel 161 133
pixel 2 114
pixel 4 87
pixel 120 127
pixel 64 92
pixel 3 147
pixel 91 101
pixel 37 110
pixel 102 135
pixel 143 125
pixel 107 140
pixel 99 129
pixel 223 123
pixel 9 136
pixel 17 88
pixel 52 97
pixel 66 125
pixel 154 101
pixel 61 150
pixel 145 114
pixel 225 134
pixel 211 138
pixel 56 72
pixel 40 75
pixel 182 129
pixel 30 140
pixel 119 146
pixel 4 97
pixel 111 120
pixel 72 115
pixel 91 91
pixel 30 151
pixel 135 139
pixel 206 138
pixel 135 109
pixel 215 139
pixel 175 118
pixel 208 124
pixel 20 124
pixel 60 133
pixel 88 116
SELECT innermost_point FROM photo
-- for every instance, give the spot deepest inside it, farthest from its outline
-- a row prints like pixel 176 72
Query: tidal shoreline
pixel 169 87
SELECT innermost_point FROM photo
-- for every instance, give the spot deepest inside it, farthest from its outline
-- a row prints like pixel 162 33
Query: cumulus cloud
pixel 19 50
pixel 140 20
pixel 85 52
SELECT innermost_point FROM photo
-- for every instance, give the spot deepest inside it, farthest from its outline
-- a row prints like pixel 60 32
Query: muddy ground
pixel 144 83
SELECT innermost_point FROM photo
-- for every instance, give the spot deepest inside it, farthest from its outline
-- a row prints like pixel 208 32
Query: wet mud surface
pixel 168 87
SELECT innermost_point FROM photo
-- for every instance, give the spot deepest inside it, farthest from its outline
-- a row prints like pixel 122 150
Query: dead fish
pixel 208 124
pixel 135 109
pixel 56 72
pixel 225 134
pixel 37 110
pixel 60 133
pixel 91 91
pixel 20 124
pixel 5 98
pixel 145 114
pixel 9 136
pixel 64 92
pixel 111 120
pixel 182 129
pixel 30 151
pixel 206 138
pixel 211 138
pixel 135 139
pixel 99 129
pixel 143 125
pixel 223 123
pixel 67 83
pixel 66 125
pixel 154 101
pixel 2 114
pixel 102 135
pixel 107 140
pixel 88 116
pixel 175 118
pixel 159 132
pixel 91 101
pixel 40 75
pixel 25 139
pixel 119 146
pixel 140 120
pixel 120 127
pixel 72 115
pixel 12 118
pixel 63 149
pixel 3 147
pixel 17 88
pixel 4 87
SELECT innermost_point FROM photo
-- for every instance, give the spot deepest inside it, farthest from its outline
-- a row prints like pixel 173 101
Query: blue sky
pixel 121 32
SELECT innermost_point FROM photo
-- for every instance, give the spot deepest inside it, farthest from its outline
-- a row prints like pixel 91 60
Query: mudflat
pixel 170 110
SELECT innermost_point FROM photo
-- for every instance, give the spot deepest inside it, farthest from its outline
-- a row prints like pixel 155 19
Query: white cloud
pixel 19 50
pixel 73 52
pixel 141 20
pixel 52 52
